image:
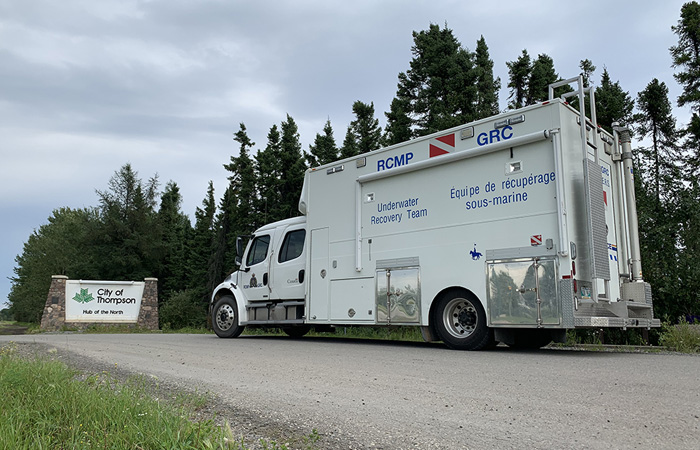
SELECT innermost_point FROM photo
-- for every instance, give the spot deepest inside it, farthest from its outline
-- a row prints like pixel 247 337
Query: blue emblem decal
pixel 475 254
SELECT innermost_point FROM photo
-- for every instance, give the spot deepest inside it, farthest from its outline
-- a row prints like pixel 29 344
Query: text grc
pixel 497 135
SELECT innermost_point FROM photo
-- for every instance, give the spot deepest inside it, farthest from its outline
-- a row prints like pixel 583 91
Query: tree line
pixel 138 230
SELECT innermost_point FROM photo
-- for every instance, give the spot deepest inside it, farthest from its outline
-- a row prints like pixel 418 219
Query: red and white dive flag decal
pixel 442 145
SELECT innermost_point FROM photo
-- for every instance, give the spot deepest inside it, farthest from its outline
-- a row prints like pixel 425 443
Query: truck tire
pixel 531 339
pixel 225 318
pixel 460 321
pixel 296 331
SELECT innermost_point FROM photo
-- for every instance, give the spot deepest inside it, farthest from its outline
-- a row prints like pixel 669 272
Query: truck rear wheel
pixel 460 321
pixel 225 318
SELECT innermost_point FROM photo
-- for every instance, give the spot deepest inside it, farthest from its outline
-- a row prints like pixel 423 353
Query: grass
pixel 47 405
pixel 395 333
pixel 11 327
pixel 684 337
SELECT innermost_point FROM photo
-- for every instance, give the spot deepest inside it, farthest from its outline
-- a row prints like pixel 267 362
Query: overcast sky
pixel 87 86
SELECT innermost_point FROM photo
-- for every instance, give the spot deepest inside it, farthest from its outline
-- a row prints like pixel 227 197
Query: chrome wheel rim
pixel 460 317
pixel 225 317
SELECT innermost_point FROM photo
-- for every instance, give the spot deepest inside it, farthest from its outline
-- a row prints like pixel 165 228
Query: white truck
pixel 510 229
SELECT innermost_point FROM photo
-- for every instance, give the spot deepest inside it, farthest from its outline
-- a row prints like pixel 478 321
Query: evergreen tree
pixel 686 55
pixel 292 168
pixel 350 146
pixel 398 122
pixel 655 120
pixel 365 127
pixel 541 76
pixel 243 180
pixel 439 89
pixel 128 239
pixel 691 146
pixel 613 104
pixel 587 69
pixel 519 75
pixel 657 194
pixel 222 261
pixel 202 248
pixel 323 150
pixel 658 238
pixel 684 300
pixel 60 247
pixel 175 229
pixel 269 172
pixel 486 86
pixel 237 213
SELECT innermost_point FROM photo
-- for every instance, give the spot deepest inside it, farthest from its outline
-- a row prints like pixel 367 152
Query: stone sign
pixel 81 303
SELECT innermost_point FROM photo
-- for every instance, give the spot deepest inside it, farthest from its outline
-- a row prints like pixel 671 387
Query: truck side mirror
pixel 237 260
pixel 239 249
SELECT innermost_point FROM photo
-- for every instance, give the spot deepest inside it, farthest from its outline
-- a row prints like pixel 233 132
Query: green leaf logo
pixel 83 297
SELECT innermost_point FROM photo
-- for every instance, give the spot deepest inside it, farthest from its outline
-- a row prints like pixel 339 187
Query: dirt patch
pixel 11 329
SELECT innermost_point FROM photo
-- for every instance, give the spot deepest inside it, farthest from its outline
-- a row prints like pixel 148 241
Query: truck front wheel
pixel 461 322
pixel 225 318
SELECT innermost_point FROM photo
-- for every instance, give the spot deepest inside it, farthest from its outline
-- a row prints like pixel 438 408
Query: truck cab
pixel 268 288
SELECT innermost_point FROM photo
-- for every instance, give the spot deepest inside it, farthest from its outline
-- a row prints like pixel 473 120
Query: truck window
pixel 258 250
pixel 292 246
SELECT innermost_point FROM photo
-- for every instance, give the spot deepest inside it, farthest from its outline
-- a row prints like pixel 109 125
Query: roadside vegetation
pixel 48 405
pixel 684 337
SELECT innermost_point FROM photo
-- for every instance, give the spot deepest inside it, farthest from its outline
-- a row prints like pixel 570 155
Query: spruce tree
pixel 365 127
pixel 613 103
pixel 519 75
pixel 269 172
pixel 686 58
pixel 292 168
pixel 587 69
pixel 439 90
pixel 655 120
pixel 324 149
pixel 238 214
pixel 487 86
pixel 686 55
pixel 202 248
pixel 350 147
pixel 541 76
pixel 398 122
pixel 174 228
pixel 128 240
pixel 658 194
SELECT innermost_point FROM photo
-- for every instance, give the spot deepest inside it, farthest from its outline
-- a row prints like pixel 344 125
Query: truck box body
pixel 515 211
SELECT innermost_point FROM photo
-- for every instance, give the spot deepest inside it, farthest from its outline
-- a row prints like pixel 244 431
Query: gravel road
pixel 390 395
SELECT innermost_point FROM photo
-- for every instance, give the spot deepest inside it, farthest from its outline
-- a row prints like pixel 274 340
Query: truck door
pixel 318 276
pixel 288 266
pixel 255 275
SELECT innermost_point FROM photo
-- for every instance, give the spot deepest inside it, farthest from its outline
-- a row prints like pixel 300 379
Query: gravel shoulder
pixel 390 395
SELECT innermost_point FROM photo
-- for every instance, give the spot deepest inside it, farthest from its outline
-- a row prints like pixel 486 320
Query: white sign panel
pixel 103 301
